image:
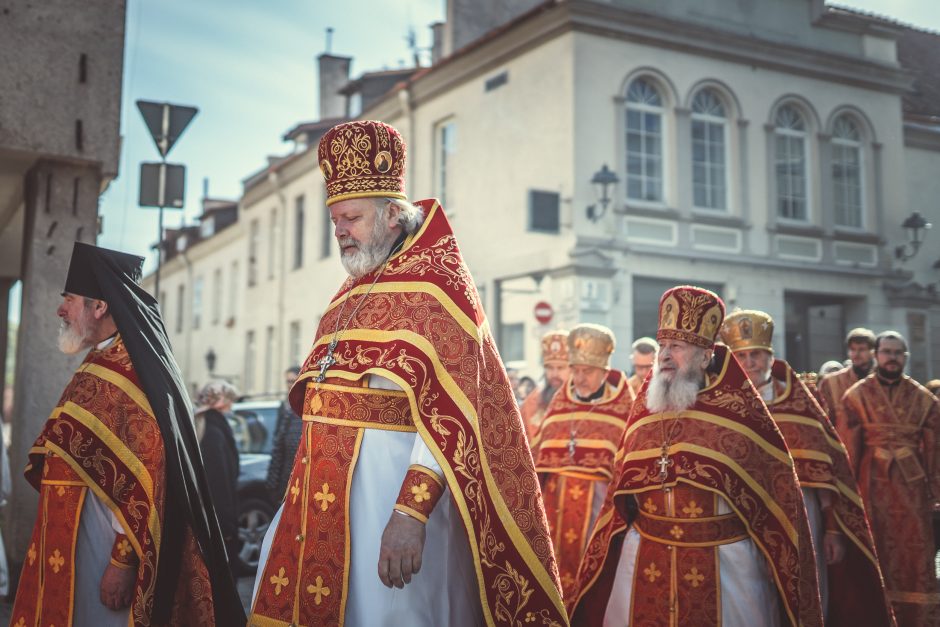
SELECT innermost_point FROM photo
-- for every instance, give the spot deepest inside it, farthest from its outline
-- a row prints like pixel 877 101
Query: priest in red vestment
pixel 413 499
pixel 555 365
pixel 850 581
pixel 704 523
pixel 891 429
pixel 126 533
pixel 575 447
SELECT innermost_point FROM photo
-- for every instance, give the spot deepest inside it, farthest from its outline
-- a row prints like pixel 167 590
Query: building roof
pixel 315 126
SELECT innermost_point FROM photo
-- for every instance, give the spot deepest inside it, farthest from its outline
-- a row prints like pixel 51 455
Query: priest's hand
pixel 117 587
pixel 834 547
pixel 400 553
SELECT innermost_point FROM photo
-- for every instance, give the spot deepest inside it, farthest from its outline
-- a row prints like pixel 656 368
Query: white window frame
pixel 445 140
pixel 217 296
pixel 858 145
pixel 645 109
pixel 804 136
pixel 709 119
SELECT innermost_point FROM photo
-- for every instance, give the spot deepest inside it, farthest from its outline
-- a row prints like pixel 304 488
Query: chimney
pixel 334 74
pixel 437 41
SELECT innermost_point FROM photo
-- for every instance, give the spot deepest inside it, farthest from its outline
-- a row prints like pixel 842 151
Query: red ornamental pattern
pixel 422 327
pixel 725 444
pixel 104 433
pixel 856 587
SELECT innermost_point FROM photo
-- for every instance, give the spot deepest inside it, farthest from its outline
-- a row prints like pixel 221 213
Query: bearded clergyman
pixel 850 581
pixel 555 365
pixel 891 426
pixel 413 499
pixel 575 446
pixel 704 523
pixel 126 533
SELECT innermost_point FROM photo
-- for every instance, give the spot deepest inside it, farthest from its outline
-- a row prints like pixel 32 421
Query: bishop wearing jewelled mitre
pixel 413 499
pixel 575 446
pixel 704 522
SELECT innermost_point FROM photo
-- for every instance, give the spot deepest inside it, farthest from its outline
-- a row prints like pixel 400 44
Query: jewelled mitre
pixel 690 314
pixel 748 329
pixel 590 345
pixel 555 347
pixel 362 159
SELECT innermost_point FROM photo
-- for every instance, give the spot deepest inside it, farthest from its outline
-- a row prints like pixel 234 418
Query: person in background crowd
pixel 513 374
pixel 859 343
pixel 525 387
pixel 933 386
pixel 643 355
pixel 704 522
pixel 839 527
pixel 891 428
pixel 287 434
pixel 575 446
pixel 555 365
pixel 220 456
pixel 829 367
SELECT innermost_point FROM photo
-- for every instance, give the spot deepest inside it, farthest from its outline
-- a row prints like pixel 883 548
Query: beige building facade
pixel 771 154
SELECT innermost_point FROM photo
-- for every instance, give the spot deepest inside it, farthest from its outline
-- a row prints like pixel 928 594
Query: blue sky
pixel 250 68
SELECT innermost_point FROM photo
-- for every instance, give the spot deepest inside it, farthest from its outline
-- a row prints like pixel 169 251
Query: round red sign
pixel 543 312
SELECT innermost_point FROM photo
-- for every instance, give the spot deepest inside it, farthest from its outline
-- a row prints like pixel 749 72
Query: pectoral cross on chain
pixel 664 463
pixel 325 363
pixel 572 445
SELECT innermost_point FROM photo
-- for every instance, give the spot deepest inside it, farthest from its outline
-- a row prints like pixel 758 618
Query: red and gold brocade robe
pixel 856 588
pixel 832 388
pixel 422 327
pixel 574 457
pixel 533 412
pixel 892 434
pixel 102 437
pixel 725 445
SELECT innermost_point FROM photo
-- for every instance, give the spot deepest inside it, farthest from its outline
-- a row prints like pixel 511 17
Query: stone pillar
pixel 61 207
pixel 5 285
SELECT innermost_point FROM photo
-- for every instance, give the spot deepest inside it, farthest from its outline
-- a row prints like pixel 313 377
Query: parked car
pixel 253 425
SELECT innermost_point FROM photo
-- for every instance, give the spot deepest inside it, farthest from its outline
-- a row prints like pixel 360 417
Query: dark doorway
pixel 815 328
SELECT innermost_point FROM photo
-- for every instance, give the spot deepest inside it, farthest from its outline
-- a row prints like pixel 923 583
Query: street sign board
pixel 166 122
pixel 543 312
pixel 162 185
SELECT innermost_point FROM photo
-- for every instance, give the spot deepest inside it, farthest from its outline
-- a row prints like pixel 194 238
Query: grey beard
pixel 71 340
pixel 675 395
pixel 369 256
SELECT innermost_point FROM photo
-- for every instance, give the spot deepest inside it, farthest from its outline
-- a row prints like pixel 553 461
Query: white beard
pixel 672 395
pixel 72 338
pixel 368 255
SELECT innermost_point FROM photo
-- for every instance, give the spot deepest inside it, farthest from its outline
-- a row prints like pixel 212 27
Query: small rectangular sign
pixel 162 185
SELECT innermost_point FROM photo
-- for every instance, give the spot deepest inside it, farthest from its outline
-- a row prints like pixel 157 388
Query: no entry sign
pixel 543 312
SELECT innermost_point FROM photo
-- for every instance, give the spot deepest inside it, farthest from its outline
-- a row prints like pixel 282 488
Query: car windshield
pixel 253 428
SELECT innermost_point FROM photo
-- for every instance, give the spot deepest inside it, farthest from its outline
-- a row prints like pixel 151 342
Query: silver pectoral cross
pixel 325 363
pixel 664 463
pixel 572 444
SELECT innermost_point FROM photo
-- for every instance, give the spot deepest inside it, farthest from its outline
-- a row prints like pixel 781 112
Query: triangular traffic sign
pixel 166 122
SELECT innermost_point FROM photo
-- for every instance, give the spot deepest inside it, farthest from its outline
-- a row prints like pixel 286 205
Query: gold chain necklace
pixel 664 462
pixel 328 360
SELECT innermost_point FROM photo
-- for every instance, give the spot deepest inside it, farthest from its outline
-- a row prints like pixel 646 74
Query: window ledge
pixel 662 212
pixel 727 220
pixel 808 230
pixel 862 237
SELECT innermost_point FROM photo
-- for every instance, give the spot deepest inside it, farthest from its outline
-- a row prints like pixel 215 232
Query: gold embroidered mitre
pixel 555 347
pixel 362 159
pixel 690 314
pixel 748 329
pixel 590 345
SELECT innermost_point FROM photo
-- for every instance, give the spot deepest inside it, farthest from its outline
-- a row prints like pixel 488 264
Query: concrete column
pixel 61 207
pixel 5 285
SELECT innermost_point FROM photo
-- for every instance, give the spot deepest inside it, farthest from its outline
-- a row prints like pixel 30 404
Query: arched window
pixel 644 142
pixel 709 151
pixel 790 157
pixel 847 173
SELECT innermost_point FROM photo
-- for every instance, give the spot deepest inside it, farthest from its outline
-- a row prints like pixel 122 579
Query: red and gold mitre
pixel 555 347
pixel 362 159
pixel 748 329
pixel 690 314
pixel 590 345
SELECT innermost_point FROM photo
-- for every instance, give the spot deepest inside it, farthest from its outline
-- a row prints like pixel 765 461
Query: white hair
pixel 410 216
pixel 678 392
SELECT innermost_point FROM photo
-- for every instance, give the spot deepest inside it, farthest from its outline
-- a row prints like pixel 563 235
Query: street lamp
pixel 916 226
pixel 210 361
pixel 603 180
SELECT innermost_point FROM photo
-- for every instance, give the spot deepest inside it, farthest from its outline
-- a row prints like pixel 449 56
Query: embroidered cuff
pixel 420 492
pixel 122 553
